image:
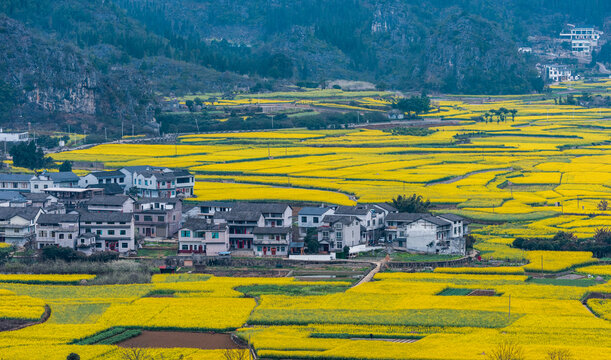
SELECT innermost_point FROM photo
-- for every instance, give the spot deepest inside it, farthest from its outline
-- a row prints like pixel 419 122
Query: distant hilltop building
pixel 583 39
pixel 13 137
pixel 558 73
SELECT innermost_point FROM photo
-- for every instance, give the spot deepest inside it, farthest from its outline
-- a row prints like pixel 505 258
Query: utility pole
pixel 272 121
pixel 132 130
pixel 121 129
pixel 105 135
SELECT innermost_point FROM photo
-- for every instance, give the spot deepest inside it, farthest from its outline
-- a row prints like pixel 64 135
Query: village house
pixel 311 218
pixel 206 209
pixel 557 73
pixel 201 236
pixel 274 214
pixel 338 231
pixel 584 39
pixel 241 225
pixel 371 218
pixel 272 241
pixel 117 203
pixel 158 217
pixel 129 172
pixel 73 198
pixel 48 203
pixel 57 230
pixel 47 180
pixel 165 183
pixel 12 199
pixel 18 225
pixel 426 233
pixel 103 177
pixel 16 182
pixel 114 230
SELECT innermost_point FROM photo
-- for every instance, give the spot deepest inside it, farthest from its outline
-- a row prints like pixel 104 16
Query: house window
pixel 325 234
pixel 258 248
pixel 99 232
pixel 137 217
pixel 215 235
pixel 339 245
pixel 35 186
pixel 111 232
pixel 185 247
pixel 61 236
pixel 122 232
pixel 282 248
pixel 185 233
pixel 124 245
pixel 70 236
pixel 161 218
pixel 98 245
pixel 304 219
pixel 148 218
pixel 338 235
pixel 315 219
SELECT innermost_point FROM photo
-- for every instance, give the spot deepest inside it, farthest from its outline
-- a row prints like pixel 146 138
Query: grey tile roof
pixel 332 219
pixel 437 221
pixel 109 189
pixel 261 207
pixel 65 176
pixel 106 216
pixel 28 213
pixel 137 168
pixel 108 174
pixel 201 224
pixel 451 217
pixel 313 210
pixel 236 215
pixel 36 196
pixel 387 207
pixel 158 200
pixel 223 204
pixel 405 217
pixel 114 200
pixel 15 177
pixel 271 230
pixel 57 218
pixel 351 210
pixel 12 196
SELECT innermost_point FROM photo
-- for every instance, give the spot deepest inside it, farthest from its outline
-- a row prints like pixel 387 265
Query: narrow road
pixel 371 274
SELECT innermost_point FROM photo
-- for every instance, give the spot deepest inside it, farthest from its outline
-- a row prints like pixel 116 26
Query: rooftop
pixel 106 216
pixel 200 224
pixel 313 210
pixel 271 230
pixel 57 218
pixel 109 200
pixel 332 219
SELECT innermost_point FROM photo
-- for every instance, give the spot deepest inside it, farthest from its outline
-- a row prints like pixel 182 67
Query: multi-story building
pixel 57 230
pixel 117 203
pixel 338 231
pixel 165 183
pixel 158 217
pixel 584 39
pixel 14 137
pixel 557 73
pixel 18 225
pixel 311 218
pixel 274 214
pixel 241 225
pixel 426 233
pixel 16 182
pixel 114 231
pixel 371 218
pixel 73 198
pixel 102 178
pixel 272 241
pixel 47 180
pixel 201 236
pixel 206 209
pixel 41 200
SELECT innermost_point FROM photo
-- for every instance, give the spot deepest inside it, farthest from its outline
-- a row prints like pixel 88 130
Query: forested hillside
pixel 128 50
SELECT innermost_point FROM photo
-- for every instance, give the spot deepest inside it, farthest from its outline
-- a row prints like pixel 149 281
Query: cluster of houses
pixel 113 210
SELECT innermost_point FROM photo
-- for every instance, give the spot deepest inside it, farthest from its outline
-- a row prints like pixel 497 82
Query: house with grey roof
pixel 165 182
pixel 426 233
pixel 205 209
pixel 114 231
pixel 272 241
pixel 12 199
pixel 57 230
pixel 103 178
pixel 338 231
pixel 202 236
pixel 18 225
pixel 311 218
pixel 158 217
pixel 16 182
pixel 371 218
pixel 46 180
pixel 118 203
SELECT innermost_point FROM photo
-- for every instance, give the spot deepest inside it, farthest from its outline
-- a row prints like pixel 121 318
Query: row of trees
pixel 501 115
pixel 600 244
pixel 415 104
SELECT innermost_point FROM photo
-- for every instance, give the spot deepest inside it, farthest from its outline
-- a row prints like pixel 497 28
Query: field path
pixel 371 274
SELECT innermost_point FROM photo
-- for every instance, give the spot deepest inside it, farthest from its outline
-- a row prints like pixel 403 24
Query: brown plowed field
pixel 172 339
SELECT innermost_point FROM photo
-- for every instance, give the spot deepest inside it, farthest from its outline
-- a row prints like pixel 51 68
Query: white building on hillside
pixel 583 39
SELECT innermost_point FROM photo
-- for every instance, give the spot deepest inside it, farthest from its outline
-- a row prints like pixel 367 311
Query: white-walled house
pixel 114 230
pixel 241 225
pixel 16 182
pixel 163 183
pixel 117 203
pixel 18 225
pixel 424 233
pixel 371 218
pixel 584 39
pixel 339 231
pixel 311 218
pixel 103 177
pixel 201 236
pixel 272 241
pixel 274 214
pixel 57 230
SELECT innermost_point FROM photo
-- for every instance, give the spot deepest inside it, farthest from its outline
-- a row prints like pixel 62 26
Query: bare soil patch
pixel 16 324
pixel 172 339
pixel 482 293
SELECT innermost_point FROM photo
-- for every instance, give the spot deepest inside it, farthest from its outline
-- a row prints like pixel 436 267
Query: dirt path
pixel 460 177
pixel 371 274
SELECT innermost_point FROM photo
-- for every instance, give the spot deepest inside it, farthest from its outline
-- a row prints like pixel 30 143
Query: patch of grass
pixel 564 282
pixel 292 290
pixel 455 292
pixel 86 313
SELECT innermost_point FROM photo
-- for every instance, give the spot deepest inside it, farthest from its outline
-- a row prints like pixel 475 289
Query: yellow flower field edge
pixel 500 270
pixel 556 261
pixel 603 270
pixel 45 278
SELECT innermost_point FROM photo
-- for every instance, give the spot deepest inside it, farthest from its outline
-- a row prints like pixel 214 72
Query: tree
pixel 346 251
pixel 189 104
pixel 198 101
pixel 513 114
pixel 603 205
pixel 236 354
pixel 311 241
pixel 29 156
pixel 5 254
pixel 73 356
pixel 507 350
pixel 66 166
pixel 411 204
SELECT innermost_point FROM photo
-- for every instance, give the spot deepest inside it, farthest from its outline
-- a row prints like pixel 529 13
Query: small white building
pixel 272 241
pixel 18 225
pixel 57 230
pixel 311 218
pixel 16 182
pixel 114 231
pixel 200 236
pixel 13 137
pixel 117 203
pixel 337 232
pixel 558 73
pixel 584 39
